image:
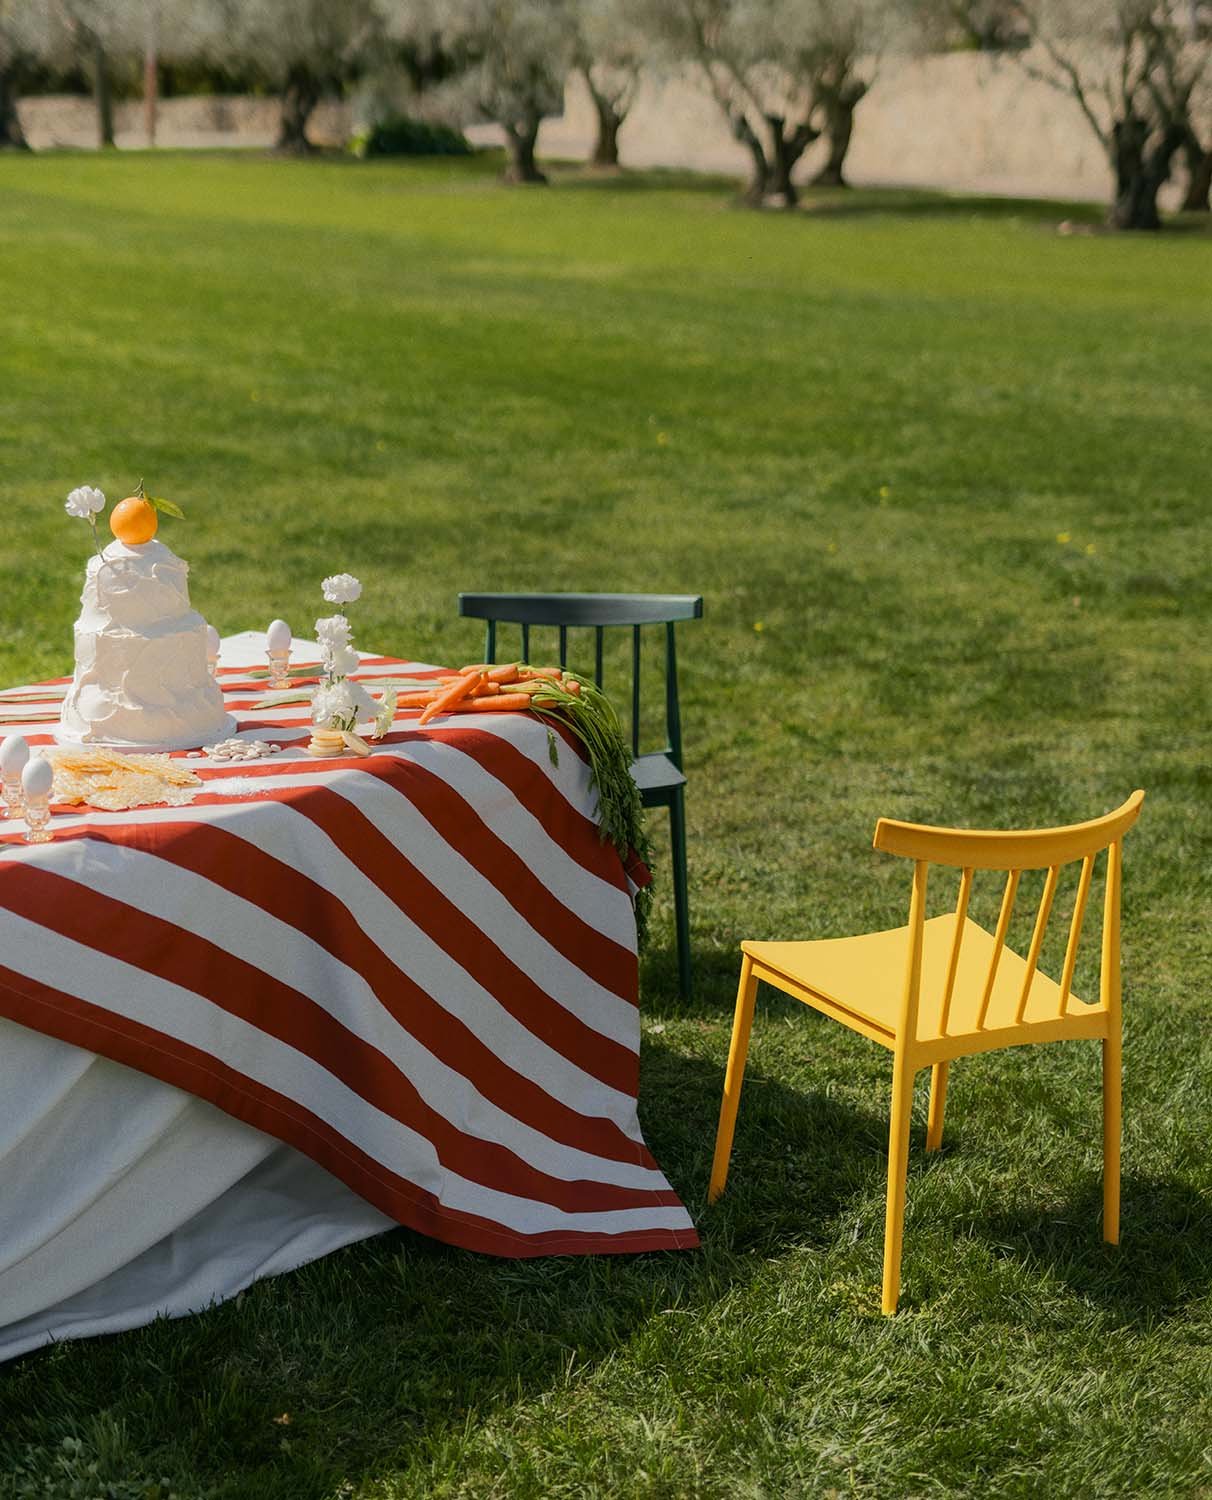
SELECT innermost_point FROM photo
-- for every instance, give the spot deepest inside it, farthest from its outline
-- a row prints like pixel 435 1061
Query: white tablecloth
pixel 122 1198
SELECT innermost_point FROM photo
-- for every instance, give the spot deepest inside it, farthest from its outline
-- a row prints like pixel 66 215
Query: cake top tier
pixel 132 588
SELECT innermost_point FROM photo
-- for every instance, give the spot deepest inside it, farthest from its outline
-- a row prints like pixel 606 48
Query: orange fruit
pixel 134 521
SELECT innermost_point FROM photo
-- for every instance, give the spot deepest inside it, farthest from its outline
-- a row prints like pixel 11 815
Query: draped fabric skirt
pixel 123 1199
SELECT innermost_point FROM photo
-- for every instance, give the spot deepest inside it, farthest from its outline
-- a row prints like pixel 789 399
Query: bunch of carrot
pixel 487 689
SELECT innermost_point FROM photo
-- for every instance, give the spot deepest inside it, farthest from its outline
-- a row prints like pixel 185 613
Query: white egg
pixel 38 777
pixel 278 637
pixel 14 752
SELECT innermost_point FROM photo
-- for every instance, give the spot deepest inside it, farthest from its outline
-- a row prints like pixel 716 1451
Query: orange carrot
pixel 572 686
pixel 553 672
pixel 447 700
pixel 504 674
pixel 415 700
pixel 505 703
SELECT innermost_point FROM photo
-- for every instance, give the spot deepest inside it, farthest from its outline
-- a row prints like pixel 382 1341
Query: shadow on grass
pixel 1162 1263
pixel 378 1357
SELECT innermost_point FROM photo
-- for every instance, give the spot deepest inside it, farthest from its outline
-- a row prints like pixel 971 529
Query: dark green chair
pixel 658 774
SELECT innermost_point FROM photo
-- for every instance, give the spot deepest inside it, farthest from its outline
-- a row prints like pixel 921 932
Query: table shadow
pixel 345 1370
pixel 393 1345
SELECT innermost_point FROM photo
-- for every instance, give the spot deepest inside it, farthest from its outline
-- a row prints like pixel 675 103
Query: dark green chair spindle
pixel 659 774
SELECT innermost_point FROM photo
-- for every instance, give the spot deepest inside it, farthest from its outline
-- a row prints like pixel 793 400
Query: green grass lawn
pixel 944 479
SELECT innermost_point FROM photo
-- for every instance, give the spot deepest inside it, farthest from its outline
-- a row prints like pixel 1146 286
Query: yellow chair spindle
pixel 1037 941
pixel 1110 998
pixel 902 1094
pixel 999 942
pixel 1075 933
pixel 961 911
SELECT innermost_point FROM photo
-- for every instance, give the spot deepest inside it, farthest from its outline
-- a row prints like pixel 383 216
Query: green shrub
pixel 406 137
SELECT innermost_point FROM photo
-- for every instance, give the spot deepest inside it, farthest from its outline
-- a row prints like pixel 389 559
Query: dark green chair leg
pixel 681 895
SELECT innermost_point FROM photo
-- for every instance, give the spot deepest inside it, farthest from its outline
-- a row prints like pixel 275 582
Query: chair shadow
pixel 1162 1263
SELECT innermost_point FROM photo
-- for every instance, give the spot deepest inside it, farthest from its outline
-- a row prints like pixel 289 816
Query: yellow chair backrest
pixel 968 850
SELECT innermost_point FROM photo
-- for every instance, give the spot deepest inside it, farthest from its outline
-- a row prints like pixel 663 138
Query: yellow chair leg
pixel 737 1053
pixel 938 1103
pixel 898 1170
pixel 1112 1120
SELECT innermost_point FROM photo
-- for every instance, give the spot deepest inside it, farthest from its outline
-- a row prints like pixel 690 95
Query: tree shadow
pixel 924 203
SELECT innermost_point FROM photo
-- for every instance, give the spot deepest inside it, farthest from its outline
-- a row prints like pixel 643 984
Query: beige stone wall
pixel 964 122
pixel 219 120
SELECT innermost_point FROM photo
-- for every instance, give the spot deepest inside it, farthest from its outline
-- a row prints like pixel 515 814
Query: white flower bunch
pixel 85 502
pixel 337 701
pixel 342 588
pixel 342 704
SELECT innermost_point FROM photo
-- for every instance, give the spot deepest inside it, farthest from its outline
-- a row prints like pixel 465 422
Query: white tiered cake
pixel 142 678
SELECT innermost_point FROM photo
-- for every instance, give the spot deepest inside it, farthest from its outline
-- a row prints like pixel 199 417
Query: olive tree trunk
pixel 839 106
pixel 102 95
pixel 1141 170
pixel 606 147
pixel 12 137
pixel 773 159
pixel 301 93
pixel 1199 177
pixel 520 138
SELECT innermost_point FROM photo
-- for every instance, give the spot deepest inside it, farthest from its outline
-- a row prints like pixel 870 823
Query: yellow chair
pixel 987 996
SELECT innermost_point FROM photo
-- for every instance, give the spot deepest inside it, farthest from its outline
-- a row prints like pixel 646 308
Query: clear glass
pixel 37 817
pixel 12 803
pixel 279 664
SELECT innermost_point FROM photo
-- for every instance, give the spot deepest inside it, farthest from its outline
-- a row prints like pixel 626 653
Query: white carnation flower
pixel 334 630
pixel 84 502
pixel 341 660
pixel 342 588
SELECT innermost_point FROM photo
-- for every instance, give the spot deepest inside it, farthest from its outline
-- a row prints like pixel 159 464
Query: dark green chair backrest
pixel 596 612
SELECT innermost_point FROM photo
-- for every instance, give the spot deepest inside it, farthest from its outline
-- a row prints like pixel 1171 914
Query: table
pixel 324 999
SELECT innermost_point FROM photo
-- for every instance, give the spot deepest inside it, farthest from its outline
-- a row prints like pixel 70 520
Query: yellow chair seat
pixel 862 980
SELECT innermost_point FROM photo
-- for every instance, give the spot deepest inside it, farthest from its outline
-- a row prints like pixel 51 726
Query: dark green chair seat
pixel 658 774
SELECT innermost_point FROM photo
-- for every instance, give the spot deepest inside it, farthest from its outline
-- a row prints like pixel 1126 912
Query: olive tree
pixel 783 72
pixel 91 34
pixel 1133 68
pixel 849 37
pixel 609 51
pixel 24 40
pixel 305 50
pixel 513 57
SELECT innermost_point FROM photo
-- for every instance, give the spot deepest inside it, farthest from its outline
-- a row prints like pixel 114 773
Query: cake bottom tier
pixel 144 689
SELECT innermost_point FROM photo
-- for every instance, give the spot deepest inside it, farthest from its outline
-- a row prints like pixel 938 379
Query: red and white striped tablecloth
pixel 419 969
